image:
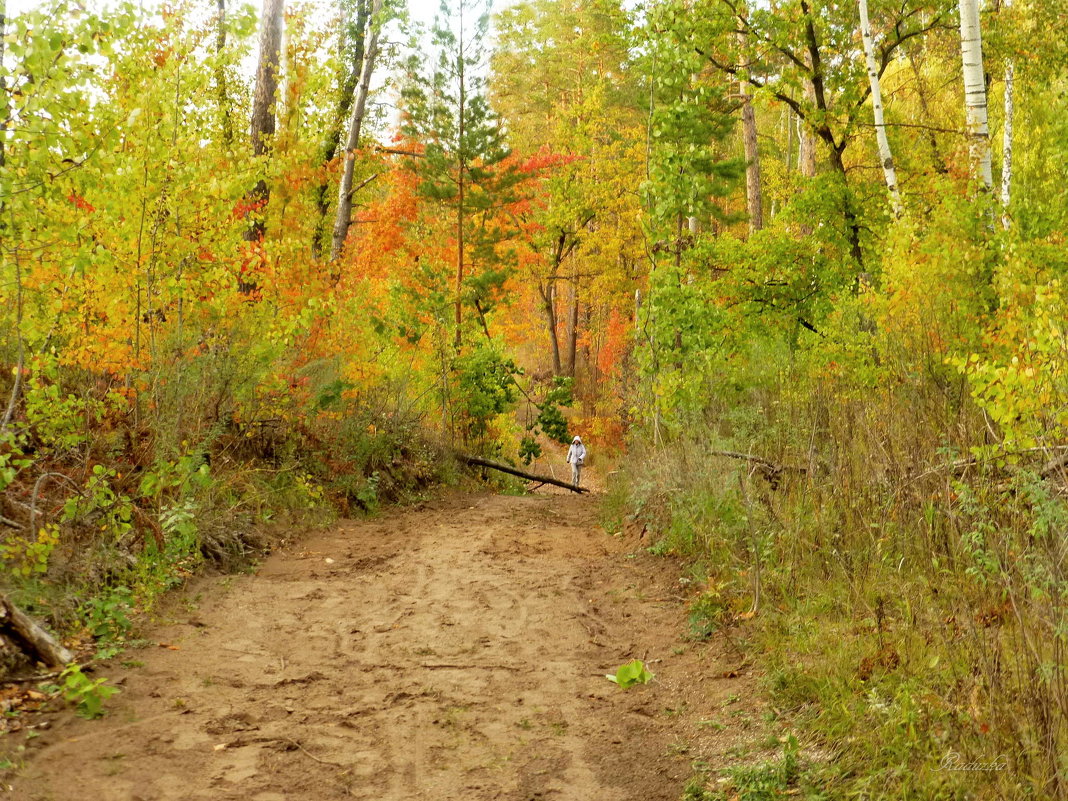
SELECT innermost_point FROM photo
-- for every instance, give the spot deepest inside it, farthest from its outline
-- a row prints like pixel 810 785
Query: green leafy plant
pixel 111 511
pixel 549 420
pixel 87 694
pixel 107 616
pixel 26 557
pixel 626 676
pixel 12 458
pixel 486 381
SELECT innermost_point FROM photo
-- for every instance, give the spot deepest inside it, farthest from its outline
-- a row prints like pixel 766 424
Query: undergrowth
pixel 110 503
pixel 904 602
pixel 764 781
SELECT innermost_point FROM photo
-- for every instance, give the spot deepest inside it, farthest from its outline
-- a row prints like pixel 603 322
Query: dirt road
pixel 452 651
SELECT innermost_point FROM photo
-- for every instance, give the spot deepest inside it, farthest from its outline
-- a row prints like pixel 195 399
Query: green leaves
pixel 487 386
pixel 550 420
pixel 630 674
pixel 88 695
pixel 691 115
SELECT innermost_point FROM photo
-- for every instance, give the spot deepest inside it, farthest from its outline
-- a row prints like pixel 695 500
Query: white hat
pixel 577 439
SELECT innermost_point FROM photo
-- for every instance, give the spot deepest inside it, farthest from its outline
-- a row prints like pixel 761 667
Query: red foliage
pixel 244 207
pixel 80 202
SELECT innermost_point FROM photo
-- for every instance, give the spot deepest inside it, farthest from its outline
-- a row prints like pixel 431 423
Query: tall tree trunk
pixel 789 139
pixel 548 299
pixel 753 196
pixel 459 313
pixel 572 329
pixel 343 215
pixel 460 189
pixel 815 93
pixel 836 148
pixel 807 156
pixel 885 156
pixel 263 118
pixel 221 91
pixel 332 140
pixel 849 214
pixel 1006 162
pixel 971 49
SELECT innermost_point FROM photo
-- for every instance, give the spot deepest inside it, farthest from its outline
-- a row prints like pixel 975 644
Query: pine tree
pixel 464 164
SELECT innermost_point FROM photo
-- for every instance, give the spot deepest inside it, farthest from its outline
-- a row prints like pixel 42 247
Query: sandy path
pixel 454 651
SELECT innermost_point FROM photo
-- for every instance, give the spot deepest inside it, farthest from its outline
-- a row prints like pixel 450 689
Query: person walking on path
pixel 576 457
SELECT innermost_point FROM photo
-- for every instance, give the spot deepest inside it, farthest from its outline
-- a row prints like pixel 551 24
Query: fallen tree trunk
pixel 504 468
pixel 18 627
pixel 771 472
pixel 748 457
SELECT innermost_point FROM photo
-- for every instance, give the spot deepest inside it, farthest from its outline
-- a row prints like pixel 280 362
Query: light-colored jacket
pixel 576 454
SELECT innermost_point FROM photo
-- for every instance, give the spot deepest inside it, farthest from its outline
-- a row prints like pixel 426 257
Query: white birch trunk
pixel 1006 152
pixel 1006 165
pixel 343 216
pixel 971 49
pixel 885 155
pixel 807 156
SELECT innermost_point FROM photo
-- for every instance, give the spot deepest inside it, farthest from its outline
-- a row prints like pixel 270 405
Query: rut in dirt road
pixel 454 651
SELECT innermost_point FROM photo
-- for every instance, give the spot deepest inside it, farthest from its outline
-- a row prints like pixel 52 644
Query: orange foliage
pixel 616 339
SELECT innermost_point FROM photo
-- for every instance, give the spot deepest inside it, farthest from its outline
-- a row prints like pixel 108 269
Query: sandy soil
pixel 455 650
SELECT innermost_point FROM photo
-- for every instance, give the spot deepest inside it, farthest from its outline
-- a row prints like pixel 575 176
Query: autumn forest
pixel 794 270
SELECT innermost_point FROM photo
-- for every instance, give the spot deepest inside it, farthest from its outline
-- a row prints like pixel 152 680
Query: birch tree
pixel 807 145
pixel 352 41
pixel 343 215
pixel 971 49
pixel 886 158
pixel 801 49
pixel 1006 152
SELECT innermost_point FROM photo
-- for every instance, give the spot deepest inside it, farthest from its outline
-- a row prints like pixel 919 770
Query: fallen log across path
pixel 505 468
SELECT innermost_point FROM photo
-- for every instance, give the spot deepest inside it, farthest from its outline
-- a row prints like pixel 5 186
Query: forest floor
pixel 452 650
